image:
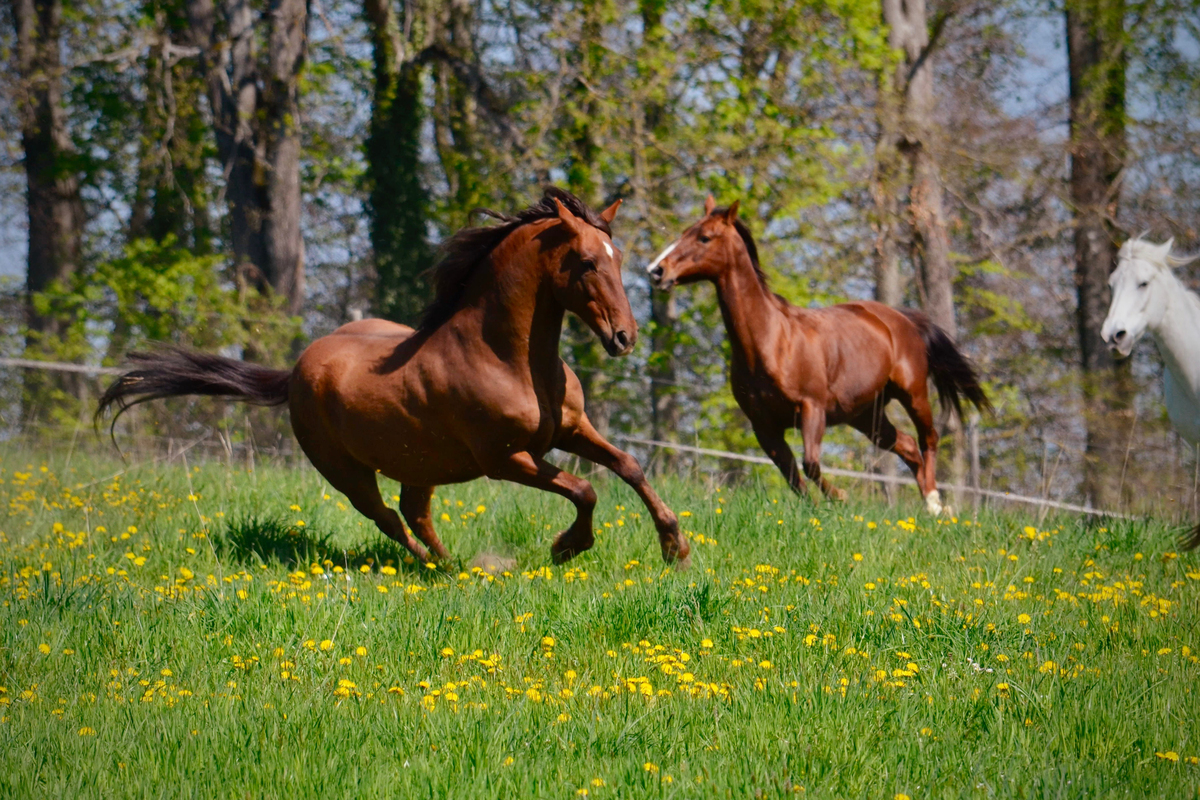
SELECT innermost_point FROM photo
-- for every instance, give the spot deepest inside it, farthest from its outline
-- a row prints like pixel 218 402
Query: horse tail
pixel 173 371
pixel 1190 540
pixel 953 375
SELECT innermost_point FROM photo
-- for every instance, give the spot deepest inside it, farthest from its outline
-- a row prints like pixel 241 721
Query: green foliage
pixel 157 292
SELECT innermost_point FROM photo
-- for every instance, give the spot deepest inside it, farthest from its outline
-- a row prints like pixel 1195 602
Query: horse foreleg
pixel 526 469
pixel 812 428
pixel 774 444
pixel 414 505
pixel 584 441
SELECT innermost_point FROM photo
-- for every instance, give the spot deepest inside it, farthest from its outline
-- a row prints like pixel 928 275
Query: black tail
pixel 953 375
pixel 173 371
pixel 1190 540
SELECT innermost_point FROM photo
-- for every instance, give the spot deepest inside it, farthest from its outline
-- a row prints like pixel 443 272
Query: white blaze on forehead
pixel 666 252
pixel 608 249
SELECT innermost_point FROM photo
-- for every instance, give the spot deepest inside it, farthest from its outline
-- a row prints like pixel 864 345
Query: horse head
pixel 702 252
pixel 1140 289
pixel 588 281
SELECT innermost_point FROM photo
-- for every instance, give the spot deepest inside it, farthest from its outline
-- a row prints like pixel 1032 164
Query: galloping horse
pixel 478 389
pixel 809 368
pixel 1146 296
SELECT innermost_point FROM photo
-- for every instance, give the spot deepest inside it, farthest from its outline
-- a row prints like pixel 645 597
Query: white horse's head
pixel 1140 286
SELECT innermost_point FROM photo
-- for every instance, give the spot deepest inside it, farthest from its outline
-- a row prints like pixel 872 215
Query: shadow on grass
pixel 255 539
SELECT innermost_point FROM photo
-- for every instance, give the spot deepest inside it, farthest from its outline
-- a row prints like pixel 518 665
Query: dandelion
pixel 326 644
pixel 706 644
pixel 85 731
pixel 547 641
pixel 447 652
pixel 1170 755
pixel 360 651
pixel 44 649
pixel 857 556
pixel 650 766
pixel 1024 619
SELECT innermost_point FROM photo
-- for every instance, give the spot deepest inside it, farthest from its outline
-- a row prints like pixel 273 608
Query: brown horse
pixel 809 368
pixel 478 389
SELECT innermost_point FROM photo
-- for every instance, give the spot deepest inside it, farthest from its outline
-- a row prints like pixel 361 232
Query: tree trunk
pixel 282 241
pixel 396 201
pixel 55 211
pixel 52 188
pixel 1096 64
pixel 909 33
pixel 257 128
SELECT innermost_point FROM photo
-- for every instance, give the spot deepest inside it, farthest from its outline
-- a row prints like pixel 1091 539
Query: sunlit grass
pixel 207 630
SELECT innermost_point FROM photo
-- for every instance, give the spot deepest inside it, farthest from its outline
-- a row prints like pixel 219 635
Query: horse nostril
pixel 622 339
pixel 656 273
pixel 1118 336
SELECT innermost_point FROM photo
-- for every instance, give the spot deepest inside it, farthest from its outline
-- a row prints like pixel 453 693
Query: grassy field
pixel 207 631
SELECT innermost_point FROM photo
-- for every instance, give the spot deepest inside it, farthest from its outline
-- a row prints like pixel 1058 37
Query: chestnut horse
pixel 809 368
pixel 478 389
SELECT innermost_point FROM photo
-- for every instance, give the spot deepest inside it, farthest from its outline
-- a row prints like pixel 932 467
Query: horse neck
pixel 748 307
pixel 1177 334
pixel 511 305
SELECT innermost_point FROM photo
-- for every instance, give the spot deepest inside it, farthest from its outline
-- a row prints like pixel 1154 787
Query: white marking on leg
pixel 933 502
pixel 666 252
pixel 607 249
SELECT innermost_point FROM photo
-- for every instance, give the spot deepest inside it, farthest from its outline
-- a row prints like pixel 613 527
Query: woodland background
pixel 246 176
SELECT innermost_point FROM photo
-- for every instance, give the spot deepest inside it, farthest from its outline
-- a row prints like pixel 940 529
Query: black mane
pixel 751 247
pixel 463 252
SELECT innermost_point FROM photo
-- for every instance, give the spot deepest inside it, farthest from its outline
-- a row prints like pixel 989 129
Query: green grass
pixel 144 638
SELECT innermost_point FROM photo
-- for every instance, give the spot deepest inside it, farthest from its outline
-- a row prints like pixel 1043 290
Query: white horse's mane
pixel 1139 248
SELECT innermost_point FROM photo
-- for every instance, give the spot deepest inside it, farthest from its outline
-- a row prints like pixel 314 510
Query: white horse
pixel 1147 297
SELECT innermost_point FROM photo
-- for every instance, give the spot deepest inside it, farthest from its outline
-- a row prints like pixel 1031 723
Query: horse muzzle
pixel 658 278
pixel 620 343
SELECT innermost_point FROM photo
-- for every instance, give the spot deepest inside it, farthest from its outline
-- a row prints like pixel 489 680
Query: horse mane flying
pixel 463 252
pixel 1139 247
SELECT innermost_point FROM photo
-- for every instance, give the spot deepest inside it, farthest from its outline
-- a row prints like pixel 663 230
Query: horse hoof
pixel 933 503
pixel 565 547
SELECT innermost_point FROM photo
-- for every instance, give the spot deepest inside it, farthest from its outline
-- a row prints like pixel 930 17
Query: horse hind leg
pixel 921 413
pixel 357 481
pixel 884 435
pixel 414 505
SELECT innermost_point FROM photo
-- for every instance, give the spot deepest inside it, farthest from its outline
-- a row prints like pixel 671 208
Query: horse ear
pixel 1165 248
pixel 731 214
pixel 709 205
pixel 568 219
pixel 610 213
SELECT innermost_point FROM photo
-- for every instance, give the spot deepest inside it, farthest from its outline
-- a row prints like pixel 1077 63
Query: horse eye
pixel 1143 284
pixel 704 239
pixel 588 264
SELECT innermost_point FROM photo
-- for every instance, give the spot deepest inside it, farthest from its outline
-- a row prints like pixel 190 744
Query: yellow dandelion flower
pixel 1024 619
pixel 44 649
pixel 547 641
pixel 326 644
pixel 1170 755
pixel 360 651
pixel 650 766
pixel 85 731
